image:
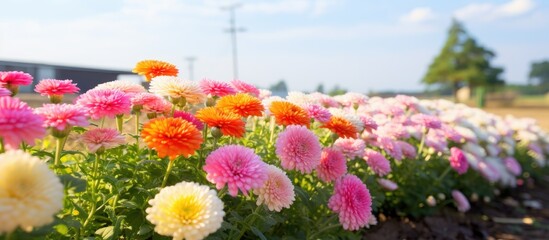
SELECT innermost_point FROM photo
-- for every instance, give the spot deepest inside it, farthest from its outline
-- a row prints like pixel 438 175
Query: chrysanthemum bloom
pixel 458 160
pixel 128 87
pixel 215 88
pixel 351 99
pixel 407 149
pixel 62 117
pixel 18 123
pixel 387 184
pixel 377 162
pixel 277 192
pixel 352 200
pixel 461 201
pixel 158 106
pixel 155 68
pixel 105 103
pixel 341 126
pixel 236 166
pixel 350 147
pixel 241 104
pixel 100 139
pixel 171 137
pixel 189 117
pixel 431 201
pixel 55 89
pixel 264 93
pixel 512 166
pixel 287 113
pixel 319 113
pixel 332 165
pixel 228 122
pixel 298 148
pixel 243 87
pixel 427 120
pixel 30 193
pixel 177 90
pixel 368 122
pixel 186 210
pixel 391 147
pixel 138 100
pixel 13 79
pixel 4 92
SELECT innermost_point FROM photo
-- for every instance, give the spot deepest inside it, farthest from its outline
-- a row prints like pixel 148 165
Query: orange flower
pixel 341 127
pixel 171 137
pixel 154 68
pixel 287 113
pixel 241 104
pixel 228 122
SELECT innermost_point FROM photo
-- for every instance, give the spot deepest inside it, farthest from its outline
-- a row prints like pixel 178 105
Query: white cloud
pixel 490 12
pixel 418 15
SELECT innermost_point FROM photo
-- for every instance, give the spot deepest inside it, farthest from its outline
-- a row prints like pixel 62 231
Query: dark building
pixel 86 78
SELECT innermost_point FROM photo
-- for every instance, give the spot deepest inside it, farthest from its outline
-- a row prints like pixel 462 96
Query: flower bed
pixel 224 160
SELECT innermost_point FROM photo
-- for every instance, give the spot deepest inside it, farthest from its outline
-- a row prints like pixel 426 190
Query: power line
pixel 191 60
pixel 233 30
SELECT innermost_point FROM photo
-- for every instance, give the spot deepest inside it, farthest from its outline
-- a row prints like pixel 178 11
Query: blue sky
pixel 360 45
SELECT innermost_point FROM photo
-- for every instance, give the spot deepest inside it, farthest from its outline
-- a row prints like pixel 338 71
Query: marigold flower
pixel 62 117
pixel 243 87
pixel 155 68
pixel 236 166
pixel 30 193
pixel 125 86
pixel 332 165
pixel 461 201
pixel 241 104
pixel 353 202
pixel 228 122
pixel 186 210
pixel 277 192
pixel 101 139
pixel 177 89
pixel 171 137
pixel 287 113
pixel 377 162
pixel 105 103
pixel 56 88
pixel 298 148
pixel 341 126
pixel 458 161
pixel 216 88
pixel 18 123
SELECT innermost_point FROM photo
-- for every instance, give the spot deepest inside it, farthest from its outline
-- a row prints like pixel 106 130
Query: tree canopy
pixel 539 73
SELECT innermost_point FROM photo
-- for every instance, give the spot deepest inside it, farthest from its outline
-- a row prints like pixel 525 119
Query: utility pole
pixel 233 30
pixel 191 66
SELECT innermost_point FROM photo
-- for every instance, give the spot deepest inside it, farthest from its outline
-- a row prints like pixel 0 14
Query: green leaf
pixel 62 229
pixel 106 232
pixel 144 229
pixel 258 233
pixel 78 184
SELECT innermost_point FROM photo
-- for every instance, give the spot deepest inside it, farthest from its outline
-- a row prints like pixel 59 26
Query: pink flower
pixel 243 87
pixel 319 113
pixel 427 120
pixel 105 103
pixel 377 162
pixel 387 184
pixel 277 192
pixel 190 118
pixel 144 98
pixel 332 165
pixel 54 87
pixel 125 86
pixel 461 201
pixel 408 150
pixel 458 161
pixel 157 105
pixel 368 122
pixel 298 148
pixel 62 117
pixel 512 166
pixel 15 78
pixel 216 88
pixel 4 92
pixel 236 166
pixel 390 147
pixel 350 147
pixel 18 123
pixel 101 139
pixel 352 200
pixel 488 171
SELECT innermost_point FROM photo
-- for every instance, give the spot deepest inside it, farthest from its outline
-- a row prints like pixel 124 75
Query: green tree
pixel 336 90
pixel 462 61
pixel 539 73
pixel 320 88
pixel 280 86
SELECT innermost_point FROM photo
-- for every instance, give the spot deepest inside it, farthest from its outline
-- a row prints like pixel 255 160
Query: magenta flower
pixel 352 200
pixel 461 201
pixel 350 147
pixel 101 103
pixel 391 147
pixel 408 150
pixel 298 148
pixel 243 87
pixel 18 123
pixel 332 165
pixel 190 118
pixel 387 184
pixel 62 117
pixel 4 92
pixel 377 162
pixel 57 88
pixel 319 113
pixel 15 78
pixel 100 139
pixel 369 123
pixel 236 166
pixel 277 192
pixel 458 161
pixel 216 88
pixel 512 166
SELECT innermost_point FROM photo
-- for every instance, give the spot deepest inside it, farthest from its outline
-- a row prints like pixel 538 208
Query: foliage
pixel 539 73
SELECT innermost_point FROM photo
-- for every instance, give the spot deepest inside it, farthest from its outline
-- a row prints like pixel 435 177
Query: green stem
pixel 422 143
pixel 173 110
pixel 119 122
pixel 271 128
pixel 2 149
pixel 93 191
pixel 444 173
pixel 168 171
pixel 58 148
pixel 102 122
pixel 9 236
pixel 254 217
pixel 137 115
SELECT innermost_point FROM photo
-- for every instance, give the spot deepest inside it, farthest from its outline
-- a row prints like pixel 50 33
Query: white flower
pixel 186 210
pixel 177 88
pixel 30 193
pixel 125 86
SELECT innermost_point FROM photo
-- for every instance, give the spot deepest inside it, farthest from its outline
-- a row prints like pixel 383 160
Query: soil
pixel 511 216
